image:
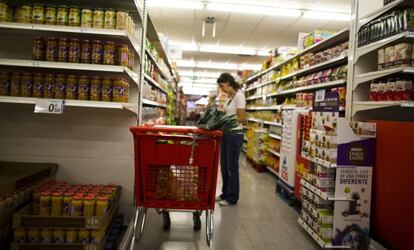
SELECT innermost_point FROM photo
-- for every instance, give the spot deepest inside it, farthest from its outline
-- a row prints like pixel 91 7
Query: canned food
pixel 71 87
pixel 45 203
pixel 98 18
pixel 87 18
pixel 20 235
pixel 46 236
pixel 38 16
pixel 62 16
pixel 38 86
pixel 89 206
pixel 106 90
pixel 26 85
pixel 15 84
pixel 110 19
pixel 57 203
pixel 77 206
pixel 84 236
pixel 59 236
pixel 60 86
pixel 50 15
pixel 33 236
pixel 83 92
pixel 71 236
pixel 74 16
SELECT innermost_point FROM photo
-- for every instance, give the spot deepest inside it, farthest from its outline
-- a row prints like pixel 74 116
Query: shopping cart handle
pixel 175 129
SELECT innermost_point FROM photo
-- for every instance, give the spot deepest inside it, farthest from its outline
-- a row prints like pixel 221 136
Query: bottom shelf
pixel 273 171
pixel 316 237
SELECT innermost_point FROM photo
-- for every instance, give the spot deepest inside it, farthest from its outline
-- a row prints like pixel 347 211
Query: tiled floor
pixel 260 221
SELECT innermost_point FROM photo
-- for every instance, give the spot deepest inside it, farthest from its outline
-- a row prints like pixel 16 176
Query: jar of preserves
pixel 57 201
pixel 38 85
pixel 86 51
pixel 123 52
pixel 60 86
pixel 121 19
pixel 102 205
pixel 89 206
pixel 71 87
pixel 4 83
pixel 71 236
pixel 74 50
pixel 95 93
pixel 97 51
pixel 62 15
pixel 26 13
pixel 20 236
pixel 87 18
pixel 74 16
pixel 26 85
pixel 33 235
pixel 15 84
pixel 51 49
pixel 45 203
pixel 120 90
pixel 109 53
pixel 50 15
pixel 18 14
pixel 63 50
pixel 110 19
pixel 77 205
pixel 49 86
pixel 46 236
pixel 98 18
pixel 38 15
pixel 84 236
pixel 59 236
pixel 38 49
pixel 3 11
pixel 130 24
pixel 83 90
pixel 106 90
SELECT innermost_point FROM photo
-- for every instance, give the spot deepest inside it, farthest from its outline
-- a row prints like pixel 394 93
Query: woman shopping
pixel 231 142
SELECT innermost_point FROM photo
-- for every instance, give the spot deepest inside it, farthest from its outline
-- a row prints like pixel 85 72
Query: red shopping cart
pixel 175 170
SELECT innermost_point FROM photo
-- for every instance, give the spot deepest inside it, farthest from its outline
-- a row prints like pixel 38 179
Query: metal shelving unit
pixel 154 103
pixel 154 83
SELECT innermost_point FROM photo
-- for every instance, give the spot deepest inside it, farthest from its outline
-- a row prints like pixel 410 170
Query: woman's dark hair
pixel 228 78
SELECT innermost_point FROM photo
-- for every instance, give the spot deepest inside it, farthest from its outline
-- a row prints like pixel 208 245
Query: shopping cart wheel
pixel 166 220
pixel 139 224
pixel 209 227
pixel 197 220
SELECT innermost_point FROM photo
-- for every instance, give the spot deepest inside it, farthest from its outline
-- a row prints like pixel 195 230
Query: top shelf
pixel 341 36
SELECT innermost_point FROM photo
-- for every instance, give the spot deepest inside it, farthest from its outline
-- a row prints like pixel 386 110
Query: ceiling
pixel 242 30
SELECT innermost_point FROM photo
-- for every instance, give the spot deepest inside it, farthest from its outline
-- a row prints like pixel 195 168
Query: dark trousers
pixel 229 160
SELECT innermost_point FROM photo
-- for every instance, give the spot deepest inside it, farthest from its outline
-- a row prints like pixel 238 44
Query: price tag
pixel 320 95
pixel 49 106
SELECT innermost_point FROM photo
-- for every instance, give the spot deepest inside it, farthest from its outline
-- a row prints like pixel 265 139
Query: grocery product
pixel 63 50
pixel 33 235
pixel 20 235
pixel 95 91
pixel 83 89
pixel 102 205
pixel 60 86
pixel 57 202
pixel 3 11
pixel 121 19
pixel 50 15
pixel 45 203
pixel 120 90
pixel 71 87
pixel 106 90
pixel 84 236
pixel 46 235
pixel 26 85
pixel 97 52
pixel 97 236
pixel 74 17
pixel 87 18
pixel 110 19
pixel 15 84
pixel 77 205
pixel 59 236
pixel 38 49
pixel 109 53
pixel 38 16
pixel 62 15
pixel 71 236
pixel 74 50
pixel 89 205
pixel 123 53
pixel 25 15
pixel 98 18
pixel 51 49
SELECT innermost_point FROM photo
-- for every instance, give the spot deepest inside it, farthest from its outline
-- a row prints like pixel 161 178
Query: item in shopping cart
pixel 97 51
pixel 84 236
pixel 109 53
pixel 26 12
pixel 51 49
pixel 71 87
pixel 74 50
pixel 74 16
pixel 89 206
pixel 26 85
pixel 87 18
pixel 95 94
pixel 63 50
pixel 71 236
pixel 102 205
pixel 50 15
pixel 46 236
pixel 38 15
pixel 15 84
pixel 59 236
pixel 84 86
pixel 60 85
pixel 20 235
pixel 106 90
pixel 38 49
pixel 62 15
pixel 110 19
pixel 97 236
pixel 98 18
pixel 33 235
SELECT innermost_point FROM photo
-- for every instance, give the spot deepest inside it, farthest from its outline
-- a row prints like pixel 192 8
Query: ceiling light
pixel 190 73
pixel 246 66
pixel 250 9
pixel 228 50
pixel 198 80
pixel 327 16
pixel 213 65
pixel 178 4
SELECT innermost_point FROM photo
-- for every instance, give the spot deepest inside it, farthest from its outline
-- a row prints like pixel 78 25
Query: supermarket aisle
pixel 260 221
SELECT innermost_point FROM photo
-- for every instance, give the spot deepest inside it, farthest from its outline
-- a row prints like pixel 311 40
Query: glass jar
pixel 131 59
pixel 3 11
pixel 123 52
pixel 56 204
pixel 10 15
pixel 49 86
pixel 87 18
pixel 74 50
pixel 60 86
pixel 95 93
pixel 89 206
pixel 38 15
pixel 38 85
pixel 15 84
pixel 74 16
pixel 51 49
pixel 109 53
pixel 4 83
pixel 98 18
pixel 50 15
pixel 71 87
pixel 121 19
pixel 38 49
pixel 83 90
pixel 62 16
pixel 26 13
pixel 110 19
pixel 86 51
pixel 26 85
pixel 120 90
pixel 63 50
pixel 106 90
pixel 97 51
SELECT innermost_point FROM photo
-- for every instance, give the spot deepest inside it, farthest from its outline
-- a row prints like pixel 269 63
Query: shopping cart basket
pixel 175 170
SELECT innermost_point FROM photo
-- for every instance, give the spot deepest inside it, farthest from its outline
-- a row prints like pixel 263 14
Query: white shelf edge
pixel 277 107
pixel 260 85
pixel 153 103
pixel 313 47
pixel 274 136
pixel 273 152
pixel 254 97
pixel 318 161
pixel 309 87
pixel 367 77
pixel 255 120
pixel 271 170
pixel 155 83
pixel 359 106
pixel 277 124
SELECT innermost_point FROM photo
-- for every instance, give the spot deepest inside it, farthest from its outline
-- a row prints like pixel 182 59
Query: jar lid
pixel 109 9
pixel 62 6
pixel 50 6
pixel 90 197
pixel 39 4
pixel 46 193
pixel 69 193
pixel 98 9
pixel 86 41
pixel 57 193
pixel 74 7
pixel 103 198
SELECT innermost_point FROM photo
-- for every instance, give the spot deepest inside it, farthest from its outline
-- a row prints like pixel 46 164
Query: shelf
pixel 42 28
pixel 72 66
pixel 155 63
pixel 316 237
pixel 154 83
pixel 254 97
pixel 274 136
pixel 379 44
pixel 341 36
pixel 367 77
pixel 309 88
pixel 316 191
pixel 255 120
pixel 273 152
pixel 275 107
pixel 277 124
pixel 371 105
pixel 319 161
pixel 260 85
pixel 74 103
pixel 153 103
pixel 273 171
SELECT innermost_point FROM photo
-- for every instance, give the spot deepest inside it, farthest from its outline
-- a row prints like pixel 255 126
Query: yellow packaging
pixel 84 236
pixel 20 236
pixel 97 235
pixel 46 236
pixel 89 206
pixel 77 205
pixel 57 201
pixel 71 236
pixel 59 236
pixel 33 235
pixel 67 203
pixel 102 205
pixel 44 203
pixel 36 200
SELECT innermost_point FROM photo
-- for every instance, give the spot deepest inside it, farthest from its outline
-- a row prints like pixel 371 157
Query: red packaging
pixel 381 90
pixel 373 94
pixel 408 90
pixel 390 90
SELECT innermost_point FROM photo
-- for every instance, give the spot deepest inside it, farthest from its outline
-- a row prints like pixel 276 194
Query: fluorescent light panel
pixel 177 4
pixel 198 80
pixel 190 73
pixel 228 50
pixel 216 65
pixel 327 15
pixel 251 9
